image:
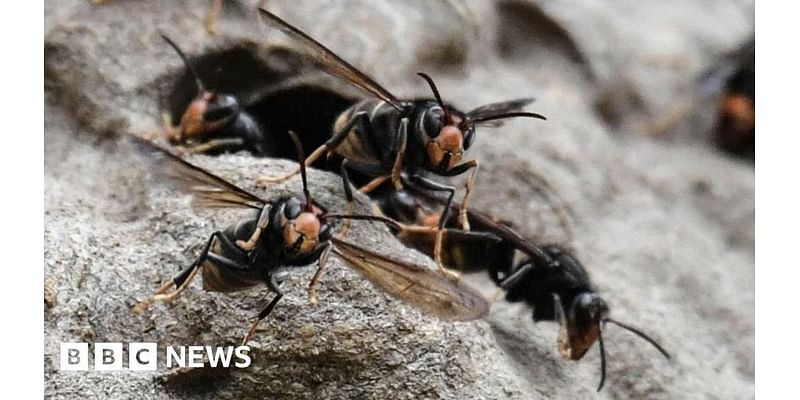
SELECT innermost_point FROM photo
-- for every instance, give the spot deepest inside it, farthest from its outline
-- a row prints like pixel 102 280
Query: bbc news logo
pixel 144 356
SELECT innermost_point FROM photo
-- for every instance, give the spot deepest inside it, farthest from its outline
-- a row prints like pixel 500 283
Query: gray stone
pixel 664 226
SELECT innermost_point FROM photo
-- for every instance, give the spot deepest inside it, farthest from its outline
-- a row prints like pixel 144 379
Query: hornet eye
pixel 293 208
pixel 585 300
pixel 221 108
pixel 325 232
pixel 592 304
pixel 433 121
pixel 469 137
pixel 554 251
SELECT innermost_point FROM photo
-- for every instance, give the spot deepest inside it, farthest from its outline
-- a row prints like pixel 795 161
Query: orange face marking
pixel 192 122
pixel 450 141
pixel 306 228
pixel 574 345
pixel 307 224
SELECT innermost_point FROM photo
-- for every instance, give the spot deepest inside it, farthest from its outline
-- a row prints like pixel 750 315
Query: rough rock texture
pixel 664 225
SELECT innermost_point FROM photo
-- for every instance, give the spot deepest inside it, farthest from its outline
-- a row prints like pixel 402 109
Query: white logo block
pixel 74 357
pixel 108 356
pixel 143 356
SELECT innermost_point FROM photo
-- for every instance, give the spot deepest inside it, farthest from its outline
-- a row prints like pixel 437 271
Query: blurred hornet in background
pixel 548 278
pixel 736 123
pixel 399 140
pixel 214 122
pixel 293 231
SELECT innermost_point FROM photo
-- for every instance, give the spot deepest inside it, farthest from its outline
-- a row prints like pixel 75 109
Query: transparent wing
pixel 208 190
pixel 415 285
pixel 329 61
pixel 488 111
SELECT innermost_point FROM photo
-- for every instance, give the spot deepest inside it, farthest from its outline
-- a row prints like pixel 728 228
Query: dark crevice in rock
pixel 615 101
pixel 308 110
pixel 185 382
pixel 525 29
pixel 448 55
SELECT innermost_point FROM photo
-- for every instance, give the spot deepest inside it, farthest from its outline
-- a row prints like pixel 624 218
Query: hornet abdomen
pixel 218 278
pixel 369 151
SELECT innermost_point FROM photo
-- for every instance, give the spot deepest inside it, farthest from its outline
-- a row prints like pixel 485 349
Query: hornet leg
pixel 312 286
pixel 181 281
pixel 273 287
pixel 263 221
pixel 201 148
pixel 397 169
pixel 399 148
pixel 437 247
pixel 348 194
pixel 458 170
pixel 371 185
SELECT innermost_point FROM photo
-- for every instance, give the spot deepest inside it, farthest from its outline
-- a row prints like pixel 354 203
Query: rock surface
pixel 664 225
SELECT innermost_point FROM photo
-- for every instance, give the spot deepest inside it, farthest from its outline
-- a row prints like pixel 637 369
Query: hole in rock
pixel 525 31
